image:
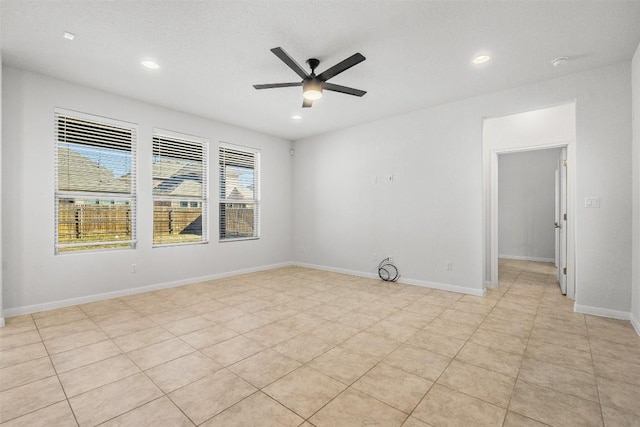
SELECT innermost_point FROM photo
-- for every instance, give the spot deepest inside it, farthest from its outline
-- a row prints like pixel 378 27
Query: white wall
pixel 33 275
pixel 636 190
pixel 1 149
pixel 530 128
pixel 432 213
pixel 526 199
pixel 346 210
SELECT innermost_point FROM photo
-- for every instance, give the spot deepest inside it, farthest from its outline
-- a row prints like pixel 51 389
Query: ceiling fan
pixel 312 85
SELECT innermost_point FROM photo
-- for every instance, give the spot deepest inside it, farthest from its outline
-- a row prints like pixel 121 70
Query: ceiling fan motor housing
pixel 313 64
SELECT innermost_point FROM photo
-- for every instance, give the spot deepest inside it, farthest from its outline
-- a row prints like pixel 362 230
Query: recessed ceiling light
pixel 150 64
pixel 296 117
pixel 481 59
pixel 69 36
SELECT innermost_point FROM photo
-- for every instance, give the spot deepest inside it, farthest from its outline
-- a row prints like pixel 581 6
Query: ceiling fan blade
pixel 275 85
pixel 280 53
pixel 343 89
pixel 306 103
pixel 354 59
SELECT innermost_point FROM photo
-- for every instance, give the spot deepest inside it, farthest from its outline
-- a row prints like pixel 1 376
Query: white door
pixel 556 219
pixel 562 267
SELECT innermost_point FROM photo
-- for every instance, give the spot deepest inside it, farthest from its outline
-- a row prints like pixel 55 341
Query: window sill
pixel 237 239
pixel 169 245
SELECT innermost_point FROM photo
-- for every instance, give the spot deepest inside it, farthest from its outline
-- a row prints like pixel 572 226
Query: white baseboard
pixel 602 312
pixel 635 323
pixel 28 309
pixel 336 270
pixel 527 258
pixel 490 284
pixel 414 282
pixel 445 287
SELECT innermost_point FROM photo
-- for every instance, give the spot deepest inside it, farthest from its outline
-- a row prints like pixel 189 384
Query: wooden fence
pixel 80 223
pixel 236 221
pixel 177 220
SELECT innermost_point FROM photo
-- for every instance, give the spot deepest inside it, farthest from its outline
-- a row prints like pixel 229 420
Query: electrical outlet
pixel 134 268
pixel 390 258
pixel 449 266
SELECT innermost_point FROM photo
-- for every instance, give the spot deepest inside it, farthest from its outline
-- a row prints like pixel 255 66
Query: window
pixel 239 193
pixel 180 208
pixel 95 181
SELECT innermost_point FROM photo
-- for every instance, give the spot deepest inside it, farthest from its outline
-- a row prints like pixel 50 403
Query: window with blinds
pixel 239 193
pixel 95 170
pixel 180 208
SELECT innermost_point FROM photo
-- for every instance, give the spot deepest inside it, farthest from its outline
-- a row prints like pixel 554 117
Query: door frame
pixel 556 218
pixel 571 223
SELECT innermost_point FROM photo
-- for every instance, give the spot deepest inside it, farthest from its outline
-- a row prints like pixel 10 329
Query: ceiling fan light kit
pixel 312 89
pixel 312 85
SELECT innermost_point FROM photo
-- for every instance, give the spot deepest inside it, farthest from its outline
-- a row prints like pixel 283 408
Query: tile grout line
pixel 595 376
pixel 521 362
pixel 58 378
pixel 449 364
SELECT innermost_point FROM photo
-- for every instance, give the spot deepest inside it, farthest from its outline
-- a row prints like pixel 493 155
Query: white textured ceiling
pixel 211 52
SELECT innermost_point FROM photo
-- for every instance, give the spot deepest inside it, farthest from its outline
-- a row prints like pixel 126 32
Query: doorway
pixel 531 206
pixel 552 127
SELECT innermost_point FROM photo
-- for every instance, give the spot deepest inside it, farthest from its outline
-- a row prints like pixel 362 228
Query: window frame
pixel 59 195
pixel 206 206
pixel 256 201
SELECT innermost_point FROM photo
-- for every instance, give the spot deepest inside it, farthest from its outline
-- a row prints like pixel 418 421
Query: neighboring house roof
pixel 164 168
pixel 176 178
pixel 235 190
pixel 171 178
pixel 188 189
pixel 235 194
pixel 78 173
pixel 240 193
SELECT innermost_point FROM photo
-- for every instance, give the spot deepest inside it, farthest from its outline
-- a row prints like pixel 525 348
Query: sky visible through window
pixel 245 177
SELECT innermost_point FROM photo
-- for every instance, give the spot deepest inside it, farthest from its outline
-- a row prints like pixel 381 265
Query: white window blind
pixel 95 201
pixel 180 208
pixel 239 193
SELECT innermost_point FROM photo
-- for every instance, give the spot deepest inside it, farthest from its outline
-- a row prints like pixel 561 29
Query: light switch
pixel 592 202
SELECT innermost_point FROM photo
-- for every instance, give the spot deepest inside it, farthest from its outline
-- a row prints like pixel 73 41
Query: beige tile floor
pixel 294 346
